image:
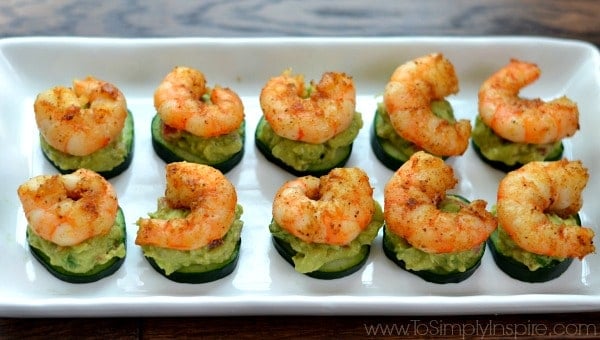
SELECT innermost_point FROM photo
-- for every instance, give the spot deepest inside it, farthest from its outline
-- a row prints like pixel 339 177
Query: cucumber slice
pixel 389 156
pixel 201 273
pixel 95 274
pixel 170 152
pixel 435 272
pixel 332 270
pixel 339 159
pixel 521 272
pixel 102 161
pixel 516 269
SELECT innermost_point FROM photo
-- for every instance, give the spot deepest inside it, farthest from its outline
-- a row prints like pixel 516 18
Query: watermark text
pixel 482 329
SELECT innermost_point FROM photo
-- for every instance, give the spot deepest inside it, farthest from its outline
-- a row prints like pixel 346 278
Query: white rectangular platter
pixel 262 282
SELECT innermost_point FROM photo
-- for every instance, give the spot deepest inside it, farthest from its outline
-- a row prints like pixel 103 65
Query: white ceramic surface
pixel 263 283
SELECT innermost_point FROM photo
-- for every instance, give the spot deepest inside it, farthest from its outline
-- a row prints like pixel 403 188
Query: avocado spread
pixel 201 259
pixel 496 148
pixel 101 160
pixel 202 150
pixel 304 156
pixel 83 257
pixel 438 263
pixel 312 256
pixel 397 146
pixel 443 263
pixel 507 247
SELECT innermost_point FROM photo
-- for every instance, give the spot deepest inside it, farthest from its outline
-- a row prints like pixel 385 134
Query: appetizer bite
pixel 308 130
pixel 195 123
pixel 324 226
pixel 437 236
pixel 539 230
pixel 511 131
pixel 87 126
pixel 195 234
pixel 415 116
pixel 76 228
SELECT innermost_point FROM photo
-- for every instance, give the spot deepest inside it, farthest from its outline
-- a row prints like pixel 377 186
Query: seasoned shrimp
pixel 411 199
pixel 527 194
pixel 69 209
pixel 522 120
pixel 82 119
pixel 211 200
pixel 178 101
pixel 328 110
pixel 332 209
pixel 407 99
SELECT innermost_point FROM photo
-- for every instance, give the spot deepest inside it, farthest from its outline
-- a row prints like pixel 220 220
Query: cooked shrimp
pixel 69 209
pixel 411 199
pixel 82 119
pixel 178 101
pixel 407 99
pixel 527 194
pixel 522 120
pixel 332 209
pixel 211 200
pixel 327 111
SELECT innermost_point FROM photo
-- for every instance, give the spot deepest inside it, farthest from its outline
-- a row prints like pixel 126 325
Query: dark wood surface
pixel 574 19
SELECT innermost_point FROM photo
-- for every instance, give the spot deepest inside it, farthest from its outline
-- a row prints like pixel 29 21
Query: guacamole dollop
pixel 496 148
pixel 304 156
pixel 311 257
pixel 507 247
pixel 171 260
pixel 392 143
pixel 201 150
pixel 443 263
pixel 84 256
pixel 438 263
pixel 101 160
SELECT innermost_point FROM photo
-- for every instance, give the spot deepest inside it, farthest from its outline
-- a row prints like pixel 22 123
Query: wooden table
pixel 574 19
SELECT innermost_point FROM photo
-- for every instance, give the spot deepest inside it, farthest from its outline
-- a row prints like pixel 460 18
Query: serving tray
pixel 263 282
